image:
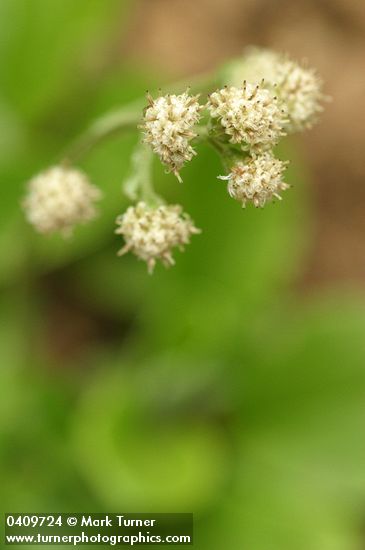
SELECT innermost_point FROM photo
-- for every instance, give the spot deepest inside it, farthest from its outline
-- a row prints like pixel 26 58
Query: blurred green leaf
pixel 137 455
pixel 300 478
pixel 42 47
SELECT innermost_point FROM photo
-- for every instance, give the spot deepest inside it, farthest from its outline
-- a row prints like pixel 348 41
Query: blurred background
pixel 233 385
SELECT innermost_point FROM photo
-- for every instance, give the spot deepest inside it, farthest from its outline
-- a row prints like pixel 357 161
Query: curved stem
pixel 123 119
pixel 126 118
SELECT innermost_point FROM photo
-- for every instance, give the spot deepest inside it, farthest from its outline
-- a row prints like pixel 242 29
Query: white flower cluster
pixel 267 96
pixel 250 115
pixel 169 127
pixel 60 198
pixel 298 88
pixel 296 97
pixel 152 233
pixel 257 180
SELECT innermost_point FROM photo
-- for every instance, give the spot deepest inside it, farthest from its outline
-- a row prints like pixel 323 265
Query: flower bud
pixel 250 115
pixel 298 88
pixel 169 127
pixel 257 180
pixel 60 198
pixel 152 233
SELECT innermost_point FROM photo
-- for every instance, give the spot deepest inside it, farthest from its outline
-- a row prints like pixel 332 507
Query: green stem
pixel 126 118
pixel 147 191
pixel 229 155
pixel 139 185
pixel 112 123
pixel 221 150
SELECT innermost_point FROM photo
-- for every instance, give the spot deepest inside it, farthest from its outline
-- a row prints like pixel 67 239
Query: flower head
pixel 250 115
pixel 60 198
pixel 298 88
pixel 151 233
pixel 169 127
pixel 257 180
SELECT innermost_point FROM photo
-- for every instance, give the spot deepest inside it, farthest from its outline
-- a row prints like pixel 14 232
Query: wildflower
pixel 151 233
pixel 257 180
pixel 169 127
pixel 298 88
pixel 250 115
pixel 60 198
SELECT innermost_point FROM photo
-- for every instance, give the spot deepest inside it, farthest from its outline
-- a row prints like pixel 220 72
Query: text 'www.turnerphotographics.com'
pixel 98 529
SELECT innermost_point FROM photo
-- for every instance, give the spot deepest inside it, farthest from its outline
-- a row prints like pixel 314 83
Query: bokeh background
pixel 233 385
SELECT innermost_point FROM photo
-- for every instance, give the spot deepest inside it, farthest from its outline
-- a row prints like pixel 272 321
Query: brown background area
pixel 189 36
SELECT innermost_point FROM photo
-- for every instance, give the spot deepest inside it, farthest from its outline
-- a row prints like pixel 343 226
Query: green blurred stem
pixel 127 118
pixel 227 152
pixel 139 185
pixel 221 150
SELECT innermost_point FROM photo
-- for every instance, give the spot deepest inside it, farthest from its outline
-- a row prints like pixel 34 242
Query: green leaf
pixel 135 454
pixel 43 47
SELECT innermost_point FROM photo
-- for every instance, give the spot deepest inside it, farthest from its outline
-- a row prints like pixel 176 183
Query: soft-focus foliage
pixel 210 387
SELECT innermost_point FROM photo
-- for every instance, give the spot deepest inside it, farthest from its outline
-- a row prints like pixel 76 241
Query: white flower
pixel 60 198
pixel 298 88
pixel 250 115
pixel 257 180
pixel 151 233
pixel 168 127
